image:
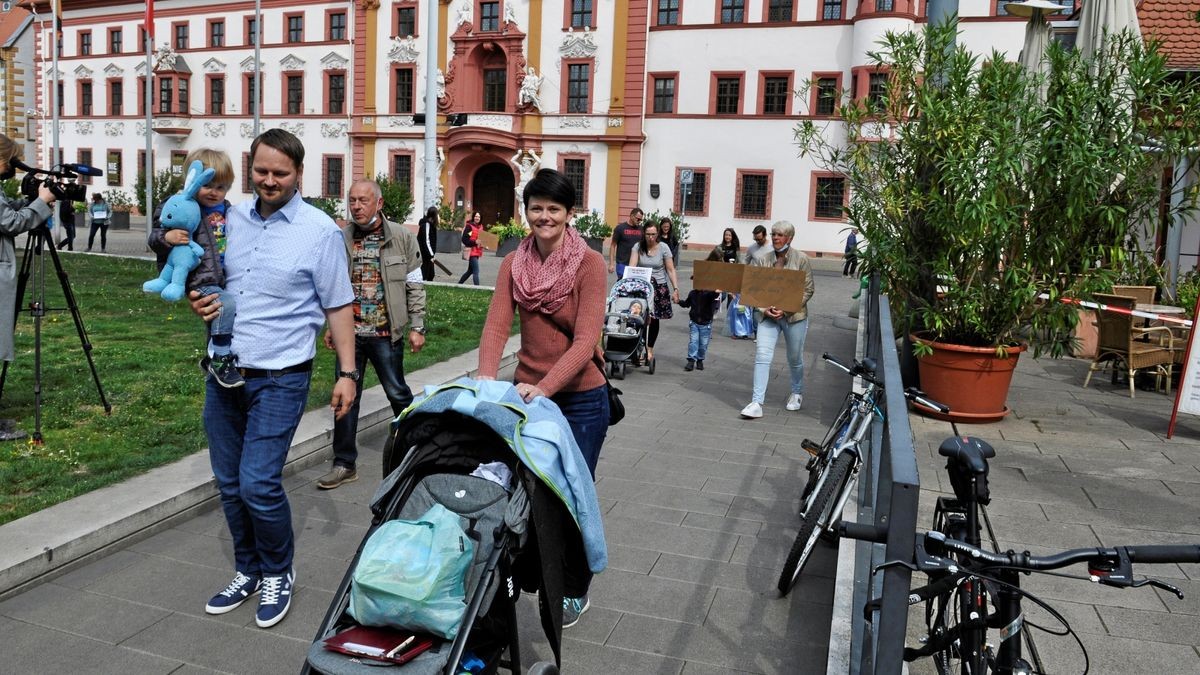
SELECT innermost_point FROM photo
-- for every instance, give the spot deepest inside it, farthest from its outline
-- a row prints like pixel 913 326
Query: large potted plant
pixel 397 199
pixel 510 233
pixel 987 193
pixel 593 229
pixel 121 204
pixel 449 228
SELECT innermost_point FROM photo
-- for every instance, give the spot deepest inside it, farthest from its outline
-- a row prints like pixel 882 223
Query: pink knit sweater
pixel 548 358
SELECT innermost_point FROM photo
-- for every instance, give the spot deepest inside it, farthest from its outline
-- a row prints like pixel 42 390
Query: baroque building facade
pixel 624 96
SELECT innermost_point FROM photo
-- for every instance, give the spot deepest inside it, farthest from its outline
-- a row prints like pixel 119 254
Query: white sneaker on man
pixel 795 401
pixel 753 410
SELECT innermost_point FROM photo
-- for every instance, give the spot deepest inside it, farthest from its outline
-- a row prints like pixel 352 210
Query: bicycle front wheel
pixel 814 519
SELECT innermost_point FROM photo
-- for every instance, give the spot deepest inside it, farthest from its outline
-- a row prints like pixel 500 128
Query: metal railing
pixel 888 491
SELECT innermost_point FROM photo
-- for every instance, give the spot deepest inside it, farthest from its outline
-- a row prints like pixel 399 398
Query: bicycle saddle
pixel 968 452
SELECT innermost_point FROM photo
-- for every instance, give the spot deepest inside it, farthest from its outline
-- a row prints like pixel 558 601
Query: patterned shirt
pixel 214 217
pixel 284 272
pixel 370 309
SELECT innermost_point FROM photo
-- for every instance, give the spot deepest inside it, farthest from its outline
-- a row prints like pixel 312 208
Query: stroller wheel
pixel 624 369
pixel 543 668
pixel 614 369
pixel 651 364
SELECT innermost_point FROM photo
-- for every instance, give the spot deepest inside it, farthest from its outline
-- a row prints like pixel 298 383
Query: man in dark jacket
pixel 66 218
pixel 427 241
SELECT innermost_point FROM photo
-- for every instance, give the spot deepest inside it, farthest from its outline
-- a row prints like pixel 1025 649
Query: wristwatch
pixel 418 329
pixel 352 374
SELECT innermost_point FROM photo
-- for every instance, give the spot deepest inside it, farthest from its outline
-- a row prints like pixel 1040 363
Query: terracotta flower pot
pixel 973 381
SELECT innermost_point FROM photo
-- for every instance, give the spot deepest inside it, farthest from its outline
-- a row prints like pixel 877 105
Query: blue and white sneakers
pixel 573 608
pixel 274 598
pixel 238 591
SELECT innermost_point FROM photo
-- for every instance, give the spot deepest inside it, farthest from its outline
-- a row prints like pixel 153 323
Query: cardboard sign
pixel 770 287
pixel 642 273
pixel 488 240
pixel 715 275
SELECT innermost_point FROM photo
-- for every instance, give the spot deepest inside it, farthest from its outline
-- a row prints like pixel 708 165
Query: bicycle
pixel 942 559
pixel 834 466
pixel 963 577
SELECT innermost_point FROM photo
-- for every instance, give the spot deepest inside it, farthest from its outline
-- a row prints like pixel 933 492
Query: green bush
pixel 165 185
pixel 397 199
pixel 1187 289
pixel 332 206
pixel 509 229
pixel 450 218
pixel 592 225
pixel 118 199
pixel 678 224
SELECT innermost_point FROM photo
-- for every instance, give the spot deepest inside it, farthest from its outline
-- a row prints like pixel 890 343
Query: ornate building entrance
pixel 492 192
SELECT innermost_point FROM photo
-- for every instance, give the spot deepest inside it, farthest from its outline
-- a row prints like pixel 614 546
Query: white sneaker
pixel 753 410
pixel 795 401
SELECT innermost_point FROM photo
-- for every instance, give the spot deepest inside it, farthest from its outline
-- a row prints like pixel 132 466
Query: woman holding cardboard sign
pixel 773 322
pixel 658 257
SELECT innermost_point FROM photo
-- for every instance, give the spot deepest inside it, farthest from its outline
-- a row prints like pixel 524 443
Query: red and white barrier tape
pixel 1169 318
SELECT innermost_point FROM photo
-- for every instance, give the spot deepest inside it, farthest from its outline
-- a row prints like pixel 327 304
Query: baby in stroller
pixel 627 322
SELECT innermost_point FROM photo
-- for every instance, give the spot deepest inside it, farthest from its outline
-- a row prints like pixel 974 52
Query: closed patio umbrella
pixel 1096 17
pixel 1037 34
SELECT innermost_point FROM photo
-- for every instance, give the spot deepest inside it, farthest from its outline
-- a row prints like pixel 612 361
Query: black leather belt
pixel 261 372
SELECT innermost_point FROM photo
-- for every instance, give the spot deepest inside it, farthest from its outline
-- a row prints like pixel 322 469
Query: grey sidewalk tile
pixel 665 496
pixel 588 658
pixel 211 523
pixel 1128 468
pixel 657 514
pixel 768 460
pixel 616 457
pixel 695 668
pixel 758 649
pixel 197 549
pixel 652 596
pixel 769 552
pixel 82 577
pixel 33 649
pixel 706 467
pixel 731 524
pixel 337 540
pixel 775 484
pixel 1148 497
pixel 1188 488
pixel 1049 440
pixel 98 617
pixel 1109 654
pixel 322 572
pixel 177 586
pixel 310 509
pixel 719 574
pixel 219 646
pixel 631 559
pixel 774 511
pixel 670 539
pixel 1084 618
pixel 621 475
pixel 1040 531
pixel 678 451
pixel 786 618
pixel 1154 626
pixel 1190 604
pixel 1185 524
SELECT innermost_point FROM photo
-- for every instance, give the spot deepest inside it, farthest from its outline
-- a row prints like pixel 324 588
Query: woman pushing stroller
pixel 556 284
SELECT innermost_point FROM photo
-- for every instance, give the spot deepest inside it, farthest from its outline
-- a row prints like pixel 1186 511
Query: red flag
pixel 150 20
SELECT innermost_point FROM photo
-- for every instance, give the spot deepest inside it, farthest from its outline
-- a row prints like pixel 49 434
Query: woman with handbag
pixel 557 285
pixel 472 249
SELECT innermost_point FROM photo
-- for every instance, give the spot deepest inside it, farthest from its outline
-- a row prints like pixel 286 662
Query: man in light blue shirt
pixel 285 261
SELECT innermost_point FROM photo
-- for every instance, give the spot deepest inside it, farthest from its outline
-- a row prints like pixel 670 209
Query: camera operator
pixel 16 217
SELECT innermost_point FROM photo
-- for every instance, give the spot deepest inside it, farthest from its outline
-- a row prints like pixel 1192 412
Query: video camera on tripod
pixel 61 182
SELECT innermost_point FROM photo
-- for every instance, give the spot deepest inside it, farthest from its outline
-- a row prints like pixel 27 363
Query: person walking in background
pixel 702 305
pixel 759 244
pixel 657 256
pixel 66 218
pixel 427 242
pixel 851 254
pixel 386 299
pixel 472 249
pixel 666 234
pixel 286 263
pixel 773 322
pixel 556 285
pixel 730 249
pixel 624 237
pixel 101 213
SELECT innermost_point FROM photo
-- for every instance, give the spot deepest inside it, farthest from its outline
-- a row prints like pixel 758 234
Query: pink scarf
pixel 544 285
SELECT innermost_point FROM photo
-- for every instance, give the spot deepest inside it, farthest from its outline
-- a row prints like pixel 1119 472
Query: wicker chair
pixel 1144 296
pixel 1121 341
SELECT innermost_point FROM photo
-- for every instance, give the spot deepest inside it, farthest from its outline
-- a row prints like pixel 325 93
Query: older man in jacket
pixel 389 296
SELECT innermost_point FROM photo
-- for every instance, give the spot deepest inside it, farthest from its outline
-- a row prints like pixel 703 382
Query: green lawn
pixel 146 353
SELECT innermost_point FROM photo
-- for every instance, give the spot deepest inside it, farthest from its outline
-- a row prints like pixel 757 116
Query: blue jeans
pixel 250 429
pixel 698 338
pixel 223 324
pixel 768 335
pixel 587 413
pixel 620 270
pixel 387 358
pixel 472 270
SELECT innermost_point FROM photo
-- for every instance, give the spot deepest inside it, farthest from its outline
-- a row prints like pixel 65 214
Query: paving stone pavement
pixel 699 513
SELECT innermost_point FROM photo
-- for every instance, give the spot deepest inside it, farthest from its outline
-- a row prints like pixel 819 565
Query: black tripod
pixel 34 265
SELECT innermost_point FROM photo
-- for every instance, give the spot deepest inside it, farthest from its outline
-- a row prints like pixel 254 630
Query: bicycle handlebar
pixel 1097 558
pixel 864 368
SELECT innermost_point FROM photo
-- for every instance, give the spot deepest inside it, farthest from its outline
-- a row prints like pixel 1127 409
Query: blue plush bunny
pixel 181 212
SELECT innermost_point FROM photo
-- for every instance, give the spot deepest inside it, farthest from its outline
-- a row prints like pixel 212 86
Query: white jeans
pixel 769 331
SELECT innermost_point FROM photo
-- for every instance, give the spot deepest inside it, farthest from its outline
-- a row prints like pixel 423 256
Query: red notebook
pixel 380 644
